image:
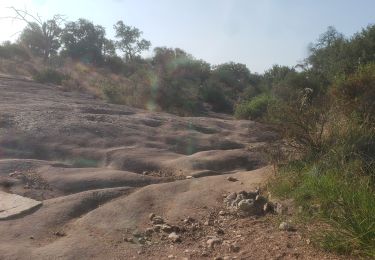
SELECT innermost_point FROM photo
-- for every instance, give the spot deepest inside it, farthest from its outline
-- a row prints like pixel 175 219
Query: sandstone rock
pixel 12 205
pixel 246 205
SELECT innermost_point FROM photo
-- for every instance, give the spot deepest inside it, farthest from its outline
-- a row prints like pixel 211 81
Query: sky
pixel 258 33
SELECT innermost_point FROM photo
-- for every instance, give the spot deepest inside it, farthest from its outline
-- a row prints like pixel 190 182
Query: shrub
pixel 50 76
pixel 255 108
pixel 215 96
pixel 10 50
pixel 113 93
pixel 357 93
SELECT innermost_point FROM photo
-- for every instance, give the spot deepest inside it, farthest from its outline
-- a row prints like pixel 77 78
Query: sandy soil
pixel 101 169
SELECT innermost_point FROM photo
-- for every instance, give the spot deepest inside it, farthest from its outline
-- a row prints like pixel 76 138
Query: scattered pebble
pixel 231 178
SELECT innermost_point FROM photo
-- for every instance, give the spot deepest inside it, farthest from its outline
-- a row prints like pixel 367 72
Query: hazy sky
pixel 258 33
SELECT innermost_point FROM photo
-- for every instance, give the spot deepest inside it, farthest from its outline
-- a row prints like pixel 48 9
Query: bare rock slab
pixel 12 205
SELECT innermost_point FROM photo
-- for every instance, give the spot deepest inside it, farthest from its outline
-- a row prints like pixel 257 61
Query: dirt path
pixel 102 169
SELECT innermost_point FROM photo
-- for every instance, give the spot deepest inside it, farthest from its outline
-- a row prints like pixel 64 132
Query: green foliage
pixel 42 38
pixel 84 41
pixel 357 93
pixel 336 186
pixel 255 108
pixel 214 95
pixel 129 40
pixel 50 76
pixel 10 50
pixel 113 93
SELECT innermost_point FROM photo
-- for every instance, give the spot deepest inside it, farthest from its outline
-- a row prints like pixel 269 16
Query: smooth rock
pixel 12 205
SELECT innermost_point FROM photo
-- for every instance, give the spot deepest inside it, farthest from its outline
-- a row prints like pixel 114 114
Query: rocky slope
pixel 100 170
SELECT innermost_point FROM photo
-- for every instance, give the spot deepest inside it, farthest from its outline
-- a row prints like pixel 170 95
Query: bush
pixel 357 93
pixel 337 187
pixel 115 64
pixel 50 76
pixel 113 93
pixel 9 50
pixel 215 96
pixel 334 196
pixel 255 108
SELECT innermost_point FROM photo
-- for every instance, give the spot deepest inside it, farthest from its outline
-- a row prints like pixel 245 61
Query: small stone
pixel 149 231
pixel 279 208
pixel 189 220
pixel 285 226
pixel 234 248
pixel 174 237
pixel 157 220
pixel 170 256
pixel 204 254
pixel 31 237
pixel 232 196
pixel 129 239
pixel 142 240
pixel 209 222
pixel 151 216
pixel 222 212
pixel 189 177
pixel 219 258
pixel 213 241
pixel 267 208
pixel 308 241
pixel 59 234
pixel 166 228
pixel 145 173
pixel 157 228
pixel 231 178
pixel 220 231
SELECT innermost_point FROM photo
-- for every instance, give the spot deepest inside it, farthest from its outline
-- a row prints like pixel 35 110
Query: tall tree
pixel 41 37
pixel 130 42
pixel 83 40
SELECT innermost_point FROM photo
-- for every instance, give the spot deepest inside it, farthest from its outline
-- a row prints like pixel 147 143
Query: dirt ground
pixel 101 170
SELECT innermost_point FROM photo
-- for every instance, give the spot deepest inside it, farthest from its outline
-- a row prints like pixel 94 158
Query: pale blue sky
pixel 258 33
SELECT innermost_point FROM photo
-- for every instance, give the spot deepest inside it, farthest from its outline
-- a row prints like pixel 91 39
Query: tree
pixel 83 40
pixel 109 48
pixel 129 41
pixel 41 37
pixel 233 77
